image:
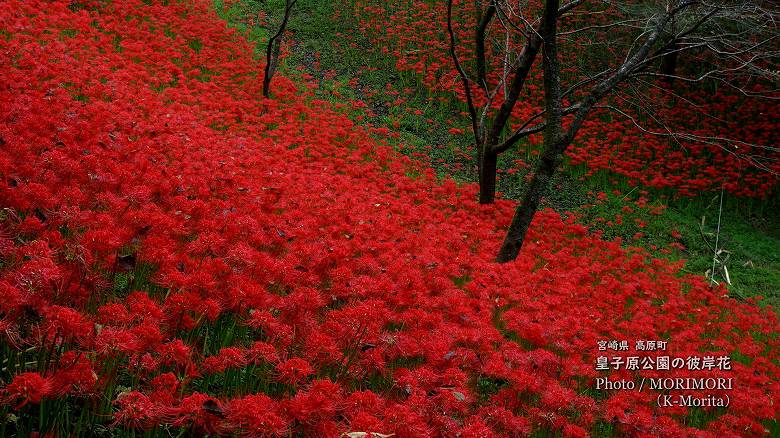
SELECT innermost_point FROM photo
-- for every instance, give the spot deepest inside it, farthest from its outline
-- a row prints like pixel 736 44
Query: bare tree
pixel 735 42
pixel 274 48
pixel 486 130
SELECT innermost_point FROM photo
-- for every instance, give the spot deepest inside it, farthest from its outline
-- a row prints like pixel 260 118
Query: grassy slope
pixel 749 231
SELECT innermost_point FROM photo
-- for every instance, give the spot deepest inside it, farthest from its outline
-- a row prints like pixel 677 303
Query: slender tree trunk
pixel 669 62
pixel 487 177
pixel 554 141
pixel 272 60
pixel 274 48
pixel 526 211
pixel 487 134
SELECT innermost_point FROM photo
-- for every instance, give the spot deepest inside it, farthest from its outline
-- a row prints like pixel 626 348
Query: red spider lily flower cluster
pixel 607 141
pixel 206 259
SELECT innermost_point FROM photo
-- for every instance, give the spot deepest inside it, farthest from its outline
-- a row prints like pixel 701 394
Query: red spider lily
pixel 75 375
pixel 136 409
pixel 229 357
pixel 156 211
pixel 28 388
pixel 256 414
pixel 605 143
pixel 293 371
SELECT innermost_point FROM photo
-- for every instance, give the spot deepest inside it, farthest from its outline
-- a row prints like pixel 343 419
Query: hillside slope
pixel 178 253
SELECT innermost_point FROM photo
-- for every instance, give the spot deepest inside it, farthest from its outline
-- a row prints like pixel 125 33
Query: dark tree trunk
pixel 274 47
pixel 669 62
pixel 272 61
pixel 554 142
pixel 527 209
pixel 487 133
pixel 487 177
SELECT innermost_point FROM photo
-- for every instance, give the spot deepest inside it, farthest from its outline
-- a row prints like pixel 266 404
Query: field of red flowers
pixel 179 255
pixel 414 34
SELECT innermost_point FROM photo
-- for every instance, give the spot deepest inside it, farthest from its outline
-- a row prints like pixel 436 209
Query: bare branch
pixel 487 17
pixel 604 87
pixel 525 62
pixel 730 146
pixel 464 78
pixel 524 130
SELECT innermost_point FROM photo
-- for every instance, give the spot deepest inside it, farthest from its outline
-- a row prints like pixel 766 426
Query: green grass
pixel 238 16
pixel 344 71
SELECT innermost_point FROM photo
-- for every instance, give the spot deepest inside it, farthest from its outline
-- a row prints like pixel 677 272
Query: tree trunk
pixel 487 177
pixel 527 209
pixel 272 59
pixel 554 142
pixel 669 62
pixel 274 48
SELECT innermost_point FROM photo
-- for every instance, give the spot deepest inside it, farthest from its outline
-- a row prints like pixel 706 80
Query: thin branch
pixel 464 78
pixel 487 17
pixel 711 140
pixel 601 27
pixel 525 62
pixel 524 130
pixel 604 87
